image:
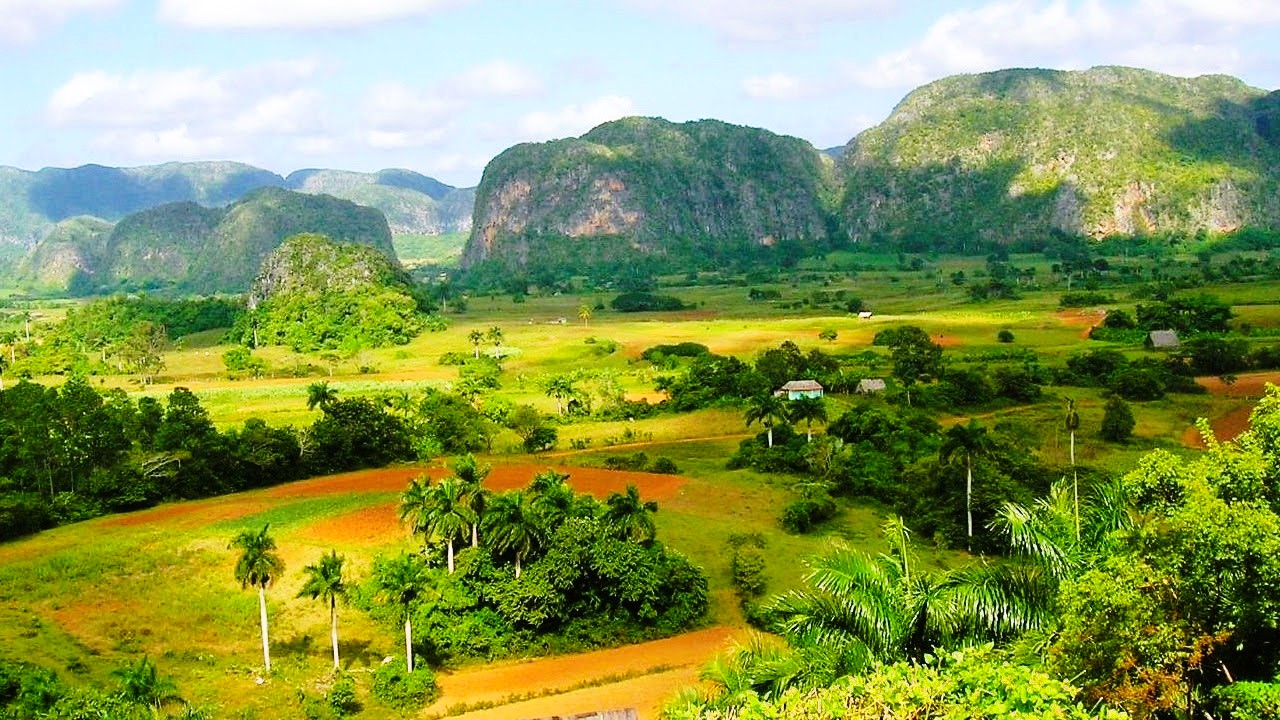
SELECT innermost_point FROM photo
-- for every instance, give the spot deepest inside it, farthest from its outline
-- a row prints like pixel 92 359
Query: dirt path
pixel 650 443
pixel 647 674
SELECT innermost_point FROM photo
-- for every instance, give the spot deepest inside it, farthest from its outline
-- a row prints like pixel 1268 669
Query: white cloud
pixel 295 14
pixel 767 20
pixel 1185 37
pixel 190 112
pixel 778 86
pixel 496 78
pixel 26 20
pixel 575 119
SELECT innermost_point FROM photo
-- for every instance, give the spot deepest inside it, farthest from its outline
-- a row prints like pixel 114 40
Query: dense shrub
pixel 403 690
pixel 1117 421
pixel 1248 701
pixel 645 302
pixel 684 349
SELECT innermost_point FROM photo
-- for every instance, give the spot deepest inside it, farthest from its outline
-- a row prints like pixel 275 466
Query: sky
pixel 442 86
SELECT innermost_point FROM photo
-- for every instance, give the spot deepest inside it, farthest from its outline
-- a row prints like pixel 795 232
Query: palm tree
pixel 629 516
pixel 1073 423
pixel 494 335
pixel 862 609
pixel 967 442
pixel 470 475
pixel 552 500
pixel 449 515
pixel 559 387
pixel 324 582
pixel 512 525
pixel 258 566
pixel 142 684
pixel 320 395
pixel 807 409
pixel 766 409
pixel 476 337
pixel 415 508
pixel 401 581
pixel 584 314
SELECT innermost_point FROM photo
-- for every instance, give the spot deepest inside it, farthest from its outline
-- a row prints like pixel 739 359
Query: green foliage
pixel 1248 701
pixel 684 349
pixel 1117 421
pixel 316 294
pixel 403 690
pixel 356 433
pixel 645 302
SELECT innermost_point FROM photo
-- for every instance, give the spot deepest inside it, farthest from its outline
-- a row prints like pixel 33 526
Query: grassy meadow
pixel 84 598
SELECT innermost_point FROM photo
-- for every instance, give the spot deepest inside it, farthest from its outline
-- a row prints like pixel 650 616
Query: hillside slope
pixel 1014 155
pixel 698 193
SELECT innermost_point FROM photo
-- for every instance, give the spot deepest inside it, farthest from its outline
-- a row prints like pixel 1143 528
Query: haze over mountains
pixel 966 163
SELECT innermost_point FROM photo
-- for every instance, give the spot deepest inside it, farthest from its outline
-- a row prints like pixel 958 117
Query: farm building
pixel 870 386
pixel 801 389
pixel 1162 340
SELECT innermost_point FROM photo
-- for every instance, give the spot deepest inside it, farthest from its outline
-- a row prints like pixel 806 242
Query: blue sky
pixel 441 86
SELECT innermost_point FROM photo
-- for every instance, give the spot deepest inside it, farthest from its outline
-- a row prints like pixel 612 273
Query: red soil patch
pixel 361 481
pixel 946 340
pixel 1087 320
pixel 191 514
pixel 646 692
pixel 369 527
pixel 1249 385
pixel 1225 428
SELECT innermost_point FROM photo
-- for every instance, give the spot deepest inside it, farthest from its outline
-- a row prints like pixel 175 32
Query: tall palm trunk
pixel 333 629
pixel 408 642
pixel 770 428
pixel 517 566
pixel 1075 484
pixel 450 556
pixel 475 535
pixel 968 497
pixel 262 612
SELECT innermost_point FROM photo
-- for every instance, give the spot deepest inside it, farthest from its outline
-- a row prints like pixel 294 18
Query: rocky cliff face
pixel 683 193
pixel 1012 156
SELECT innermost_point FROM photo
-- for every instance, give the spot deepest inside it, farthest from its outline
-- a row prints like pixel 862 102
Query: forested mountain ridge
pixel 1014 155
pixel 695 193
pixel 31 203
pixel 192 247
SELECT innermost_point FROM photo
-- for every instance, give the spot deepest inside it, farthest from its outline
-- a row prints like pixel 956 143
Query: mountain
pixel 192 247
pixel 691 194
pixel 1012 156
pixel 31 203
pixel 312 293
pixel 413 203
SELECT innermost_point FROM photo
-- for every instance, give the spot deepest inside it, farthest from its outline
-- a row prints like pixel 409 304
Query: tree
pixel 560 388
pixel 415 508
pixel 967 442
pixel 320 395
pixel 476 337
pixel 324 582
pixel 1117 420
pixel 857 609
pixel 449 515
pixel 584 313
pixel 495 336
pixel 401 581
pixel 258 566
pixel 766 409
pixel 828 334
pixel 142 684
pixel 552 499
pixel 1073 423
pixel 629 516
pixel 807 410
pixel 512 525
pixel 915 357
pixel 470 477
pixel 141 350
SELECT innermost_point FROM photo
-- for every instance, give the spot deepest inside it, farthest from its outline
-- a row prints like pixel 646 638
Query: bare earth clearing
pixel 1247 388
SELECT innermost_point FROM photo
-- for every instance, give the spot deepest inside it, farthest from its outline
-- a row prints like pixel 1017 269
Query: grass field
pixel 83 598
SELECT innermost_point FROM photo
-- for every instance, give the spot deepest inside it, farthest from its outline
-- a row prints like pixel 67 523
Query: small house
pixel 797 389
pixel 870 386
pixel 1162 340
